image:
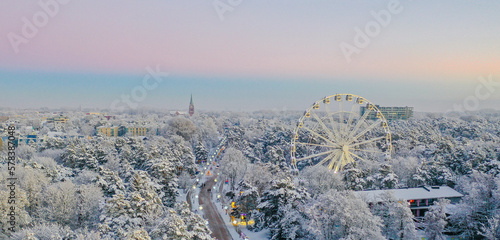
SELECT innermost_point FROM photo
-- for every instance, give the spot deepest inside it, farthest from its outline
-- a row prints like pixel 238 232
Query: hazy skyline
pixel 262 55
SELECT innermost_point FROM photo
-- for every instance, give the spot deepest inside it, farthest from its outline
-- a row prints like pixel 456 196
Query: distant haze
pixel 269 55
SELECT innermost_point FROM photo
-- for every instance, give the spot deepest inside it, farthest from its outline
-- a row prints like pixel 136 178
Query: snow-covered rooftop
pixel 411 193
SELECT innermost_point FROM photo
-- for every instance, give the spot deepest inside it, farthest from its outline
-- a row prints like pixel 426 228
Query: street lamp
pixel 201 207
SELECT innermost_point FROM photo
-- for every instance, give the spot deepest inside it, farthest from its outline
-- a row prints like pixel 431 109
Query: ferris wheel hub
pixel 345 148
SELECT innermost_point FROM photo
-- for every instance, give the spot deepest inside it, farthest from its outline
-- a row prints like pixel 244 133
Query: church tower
pixel 191 106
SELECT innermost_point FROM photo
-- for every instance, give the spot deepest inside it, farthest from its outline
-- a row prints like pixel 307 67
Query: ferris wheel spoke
pixel 371 151
pixel 339 163
pixel 369 128
pixel 366 142
pixel 332 122
pixel 320 136
pixel 334 160
pixel 315 155
pixel 359 123
pixel 349 159
pixel 349 121
pixel 327 158
pixel 360 158
pixel 313 144
pixel 325 128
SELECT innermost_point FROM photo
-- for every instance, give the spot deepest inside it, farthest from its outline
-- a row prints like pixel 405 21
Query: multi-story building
pixel 58 119
pixel 390 113
pixel 112 131
pixel 137 131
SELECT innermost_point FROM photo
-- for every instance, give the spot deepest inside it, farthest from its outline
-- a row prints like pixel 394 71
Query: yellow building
pixel 111 131
pixel 93 113
pixel 137 131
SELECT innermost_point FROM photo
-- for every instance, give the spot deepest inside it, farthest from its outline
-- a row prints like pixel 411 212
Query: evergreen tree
pixel 201 152
pixel 281 198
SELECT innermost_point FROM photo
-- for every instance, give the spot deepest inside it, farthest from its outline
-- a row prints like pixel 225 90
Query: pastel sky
pixel 279 54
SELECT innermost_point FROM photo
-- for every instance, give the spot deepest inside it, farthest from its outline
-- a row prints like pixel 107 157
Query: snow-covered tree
pixel 342 215
pixel 181 224
pixel 282 198
pixel 171 227
pixel 481 200
pixel 137 234
pixel 32 181
pixel 200 152
pixel 435 220
pixel 354 179
pixel 59 203
pixel 386 179
pixel 318 180
pixel 44 231
pixel 109 181
pixel 233 166
pixel 163 170
pixel 195 224
pixel 491 230
pixel 260 175
pixel 80 155
pixel 144 198
pixel 182 126
pixel 89 198
pixel 185 181
pixel 397 219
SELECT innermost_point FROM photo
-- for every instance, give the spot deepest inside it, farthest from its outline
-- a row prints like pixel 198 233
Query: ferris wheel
pixel 338 130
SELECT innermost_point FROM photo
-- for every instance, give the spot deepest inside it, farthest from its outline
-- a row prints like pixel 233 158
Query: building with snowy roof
pixel 419 199
pixel 390 113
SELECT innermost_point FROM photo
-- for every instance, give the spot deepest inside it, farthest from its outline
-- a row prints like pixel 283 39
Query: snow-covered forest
pixel 133 187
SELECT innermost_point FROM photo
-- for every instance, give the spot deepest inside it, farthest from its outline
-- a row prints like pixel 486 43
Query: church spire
pixel 191 106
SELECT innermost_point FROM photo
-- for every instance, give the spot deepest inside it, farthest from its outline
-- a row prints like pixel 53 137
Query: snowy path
pixel 215 222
